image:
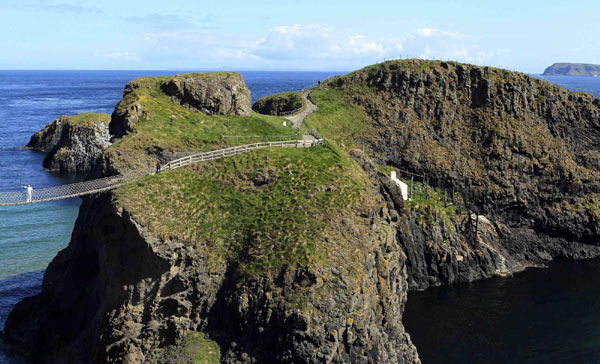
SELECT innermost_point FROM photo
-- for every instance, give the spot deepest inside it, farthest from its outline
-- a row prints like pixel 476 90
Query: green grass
pixel 338 118
pixel 88 119
pixel 168 125
pixel 265 210
pixel 431 202
pixel 202 350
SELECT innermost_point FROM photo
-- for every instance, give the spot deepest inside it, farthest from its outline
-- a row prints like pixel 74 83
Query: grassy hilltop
pixel 266 209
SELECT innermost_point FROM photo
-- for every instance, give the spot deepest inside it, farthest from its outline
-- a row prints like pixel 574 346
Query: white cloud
pixel 314 41
pixel 430 43
pixel 336 47
pixel 131 56
pixel 301 47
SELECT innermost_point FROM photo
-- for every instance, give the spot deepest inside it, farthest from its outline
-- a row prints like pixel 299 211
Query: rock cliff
pixel 121 292
pixel 211 93
pixel 519 152
pixel 283 256
pixel 73 143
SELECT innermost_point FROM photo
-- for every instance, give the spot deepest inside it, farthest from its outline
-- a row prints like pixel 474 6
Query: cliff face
pixel 121 294
pixel 211 93
pixel 519 152
pixel 573 69
pixel 73 143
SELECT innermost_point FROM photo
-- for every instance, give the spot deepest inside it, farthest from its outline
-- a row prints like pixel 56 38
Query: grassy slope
pixel 88 119
pixel 337 118
pixel 168 125
pixel 265 210
pixel 201 350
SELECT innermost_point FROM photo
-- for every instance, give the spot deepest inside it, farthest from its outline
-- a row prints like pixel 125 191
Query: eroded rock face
pixel 211 93
pixel 128 111
pixel 73 143
pixel 116 294
pixel 522 153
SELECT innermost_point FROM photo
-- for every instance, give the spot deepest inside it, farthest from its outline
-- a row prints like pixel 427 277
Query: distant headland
pixel 573 69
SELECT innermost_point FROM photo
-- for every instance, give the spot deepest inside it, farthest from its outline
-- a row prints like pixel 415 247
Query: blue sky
pixel 294 35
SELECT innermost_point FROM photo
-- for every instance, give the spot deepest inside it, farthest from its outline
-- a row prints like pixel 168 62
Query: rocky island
pixel 73 143
pixel 307 255
pixel 573 69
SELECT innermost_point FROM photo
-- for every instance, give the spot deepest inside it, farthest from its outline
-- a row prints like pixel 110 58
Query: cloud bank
pixel 304 47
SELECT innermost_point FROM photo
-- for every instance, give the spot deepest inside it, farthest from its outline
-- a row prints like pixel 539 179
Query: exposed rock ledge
pixel 73 143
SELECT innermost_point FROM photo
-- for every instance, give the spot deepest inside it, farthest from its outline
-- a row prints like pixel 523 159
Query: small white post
pixel 403 186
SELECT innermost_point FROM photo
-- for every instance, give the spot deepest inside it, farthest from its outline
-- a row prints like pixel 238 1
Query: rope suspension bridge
pixel 109 183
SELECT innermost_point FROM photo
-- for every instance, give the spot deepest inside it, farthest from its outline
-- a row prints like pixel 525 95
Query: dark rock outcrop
pixel 128 111
pixel 279 104
pixel 517 151
pixel 73 143
pixel 211 93
pixel 116 294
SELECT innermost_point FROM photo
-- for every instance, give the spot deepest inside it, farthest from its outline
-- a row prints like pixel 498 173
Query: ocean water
pixel 31 235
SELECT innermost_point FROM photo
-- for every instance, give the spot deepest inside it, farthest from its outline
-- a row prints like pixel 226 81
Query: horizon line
pixel 173 69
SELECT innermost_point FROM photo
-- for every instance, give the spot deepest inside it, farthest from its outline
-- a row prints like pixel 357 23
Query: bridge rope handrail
pixel 112 182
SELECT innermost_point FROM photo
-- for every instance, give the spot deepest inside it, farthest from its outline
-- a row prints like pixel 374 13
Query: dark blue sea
pixel 461 324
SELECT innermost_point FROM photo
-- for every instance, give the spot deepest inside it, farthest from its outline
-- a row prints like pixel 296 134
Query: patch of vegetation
pixel 202 350
pixel 278 104
pixel 264 210
pixel 168 125
pixel 88 119
pixel 338 118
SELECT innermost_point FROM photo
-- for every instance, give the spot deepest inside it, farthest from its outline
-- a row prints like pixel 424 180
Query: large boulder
pixel 279 104
pixel 211 93
pixel 73 143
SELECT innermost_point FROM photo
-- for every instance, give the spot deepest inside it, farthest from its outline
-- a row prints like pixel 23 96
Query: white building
pixel 403 186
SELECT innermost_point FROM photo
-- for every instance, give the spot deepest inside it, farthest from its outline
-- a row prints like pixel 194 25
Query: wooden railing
pixel 221 153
